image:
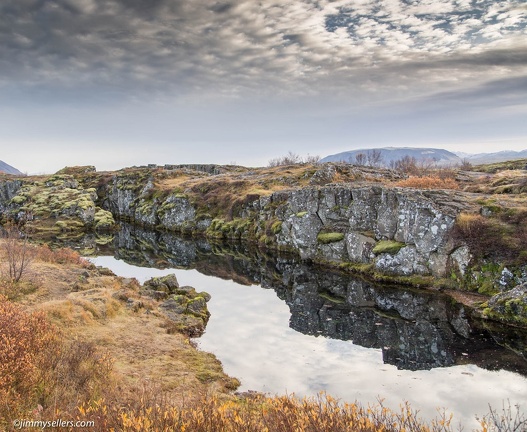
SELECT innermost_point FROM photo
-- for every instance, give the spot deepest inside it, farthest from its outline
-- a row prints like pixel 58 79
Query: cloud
pixel 233 49
pixel 178 75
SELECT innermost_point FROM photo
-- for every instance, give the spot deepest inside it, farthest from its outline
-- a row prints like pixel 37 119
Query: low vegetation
pixel 40 370
pixel 293 159
pixel 500 235
pixel 260 413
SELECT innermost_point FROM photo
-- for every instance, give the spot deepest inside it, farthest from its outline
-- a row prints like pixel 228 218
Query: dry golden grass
pixel 506 182
pixel 259 414
pixel 428 182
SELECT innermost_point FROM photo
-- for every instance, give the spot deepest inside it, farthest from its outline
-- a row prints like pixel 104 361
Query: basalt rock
pixel 337 223
pixel 367 215
pixel 184 308
pixel 57 204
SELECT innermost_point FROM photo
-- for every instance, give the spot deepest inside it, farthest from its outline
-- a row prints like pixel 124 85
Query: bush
pixel 26 341
pixel 489 237
pixel 293 159
pixel 18 253
pixel 260 413
pixel 60 256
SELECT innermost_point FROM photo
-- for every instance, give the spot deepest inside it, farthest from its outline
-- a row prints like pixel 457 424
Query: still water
pixel 282 326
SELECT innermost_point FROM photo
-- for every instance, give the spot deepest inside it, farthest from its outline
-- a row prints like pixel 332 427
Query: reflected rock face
pixel 415 329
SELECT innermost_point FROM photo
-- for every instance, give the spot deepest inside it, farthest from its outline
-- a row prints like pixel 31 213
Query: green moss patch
pixel 509 307
pixel 332 237
pixel 276 227
pixel 388 246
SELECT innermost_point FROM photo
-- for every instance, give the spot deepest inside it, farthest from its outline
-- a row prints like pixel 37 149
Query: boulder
pixel 509 307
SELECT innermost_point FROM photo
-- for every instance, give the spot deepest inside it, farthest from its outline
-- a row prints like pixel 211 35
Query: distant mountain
pixel 486 158
pixel 389 154
pixel 8 169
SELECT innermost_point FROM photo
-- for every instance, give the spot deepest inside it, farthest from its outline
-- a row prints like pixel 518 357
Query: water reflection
pixel 372 340
pixel 415 330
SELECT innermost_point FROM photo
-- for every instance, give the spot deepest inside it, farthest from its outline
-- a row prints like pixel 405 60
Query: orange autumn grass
pixel 428 182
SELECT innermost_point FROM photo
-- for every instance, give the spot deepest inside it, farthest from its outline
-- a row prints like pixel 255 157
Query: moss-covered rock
pixel 167 284
pixel 509 307
pixel 103 220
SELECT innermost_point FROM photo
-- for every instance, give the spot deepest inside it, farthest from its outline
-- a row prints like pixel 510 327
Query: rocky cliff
pixel 398 231
pixel 351 217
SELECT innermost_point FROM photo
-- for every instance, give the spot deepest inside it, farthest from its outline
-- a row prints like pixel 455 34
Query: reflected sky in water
pixel 249 332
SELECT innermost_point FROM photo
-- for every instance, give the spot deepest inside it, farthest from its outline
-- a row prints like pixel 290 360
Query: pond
pixel 283 326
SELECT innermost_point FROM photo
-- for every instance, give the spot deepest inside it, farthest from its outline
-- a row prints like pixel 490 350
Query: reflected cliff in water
pixel 415 329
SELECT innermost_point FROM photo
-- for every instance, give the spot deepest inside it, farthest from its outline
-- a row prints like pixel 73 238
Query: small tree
pixel 374 157
pixel 465 165
pixel 17 251
pixel 407 164
pixel 293 159
pixel 360 159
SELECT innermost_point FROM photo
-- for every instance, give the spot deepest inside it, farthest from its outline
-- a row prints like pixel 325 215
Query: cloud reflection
pixel 249 332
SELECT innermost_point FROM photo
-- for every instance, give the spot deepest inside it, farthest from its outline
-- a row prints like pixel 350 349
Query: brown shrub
pixel 18 253
pixel 60 256
pixel 489 237
pixel 25 342
pixel 260 413
pixel 40 372
pixel 428 182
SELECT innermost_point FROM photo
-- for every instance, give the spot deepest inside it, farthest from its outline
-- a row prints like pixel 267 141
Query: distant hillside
pixel 8 169
pixel 392 154
pixel 488 158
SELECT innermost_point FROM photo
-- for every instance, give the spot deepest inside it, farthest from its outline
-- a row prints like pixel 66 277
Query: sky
pixel 116 83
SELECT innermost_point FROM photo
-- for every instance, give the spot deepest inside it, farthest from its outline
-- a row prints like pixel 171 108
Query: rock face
pixel 360 217
pixel 8 190
pixel 59 202
pixel 420 221
pixel 342 224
